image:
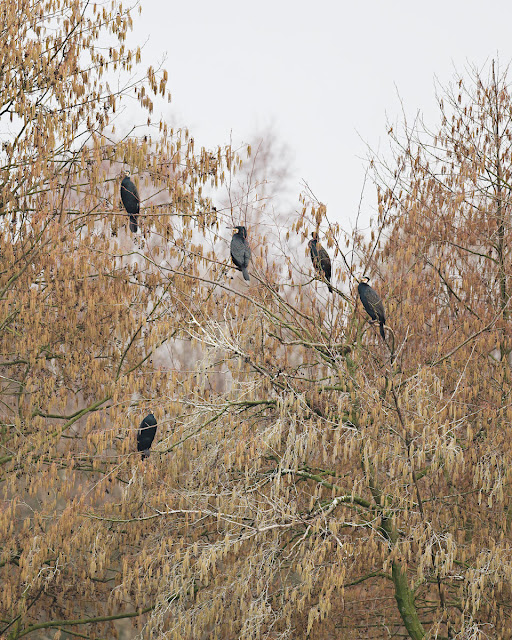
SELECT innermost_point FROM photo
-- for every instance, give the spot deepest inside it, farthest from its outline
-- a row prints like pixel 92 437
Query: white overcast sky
pixel 325 74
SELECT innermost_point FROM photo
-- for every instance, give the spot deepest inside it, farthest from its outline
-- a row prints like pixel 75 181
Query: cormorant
pixel 240 251
pixel 320 259
pixel 372 304
pixel 131 201
pixel 146 435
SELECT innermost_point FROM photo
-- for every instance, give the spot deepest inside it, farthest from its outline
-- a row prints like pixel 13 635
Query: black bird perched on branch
pixel 131 201
pixel 240 251
pixel 320 259
pixel 372 304
pixel 146 435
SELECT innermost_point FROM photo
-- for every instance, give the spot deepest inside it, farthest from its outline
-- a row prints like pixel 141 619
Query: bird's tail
pixel 331 290
pixel 133 223
pixel 145 454
pixel 245 274
pixel 382 332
